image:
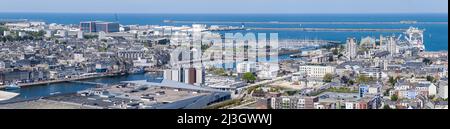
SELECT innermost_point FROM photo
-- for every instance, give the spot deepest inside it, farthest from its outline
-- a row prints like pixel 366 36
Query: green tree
pixel 205 47
pixel 341 48
pixel 330 59
pixel 431 79
pixel 386 107
pixel 394 97
pixel 386 93
pixel 249 77
pixel 2 29
pixel 363 79
pixel 328 77
pixel 351 82
pixel 220 72
pixel 340 55
pixel 38 34
pixel 335 51
pixel 427 61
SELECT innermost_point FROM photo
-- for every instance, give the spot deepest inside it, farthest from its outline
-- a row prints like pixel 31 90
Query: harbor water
pixel 37 91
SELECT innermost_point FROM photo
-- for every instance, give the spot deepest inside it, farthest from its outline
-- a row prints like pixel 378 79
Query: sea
pixel 436 35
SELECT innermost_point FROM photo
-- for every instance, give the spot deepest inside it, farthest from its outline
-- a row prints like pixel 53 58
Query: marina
pixel 65 87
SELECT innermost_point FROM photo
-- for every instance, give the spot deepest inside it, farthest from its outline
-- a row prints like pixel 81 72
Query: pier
pixel 89 83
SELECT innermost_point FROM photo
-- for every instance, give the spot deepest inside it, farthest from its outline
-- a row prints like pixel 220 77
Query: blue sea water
pixel 436 35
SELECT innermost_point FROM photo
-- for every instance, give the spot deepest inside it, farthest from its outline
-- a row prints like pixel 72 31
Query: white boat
pixel 55 93
pixel 12 87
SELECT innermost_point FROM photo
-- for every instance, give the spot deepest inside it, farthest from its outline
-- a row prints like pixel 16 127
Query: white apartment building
pixel 351 48
pixel 245 67
pixel 392 46
pixel 443 90
pixel 317 71
pixel 268 70
pixel 78 57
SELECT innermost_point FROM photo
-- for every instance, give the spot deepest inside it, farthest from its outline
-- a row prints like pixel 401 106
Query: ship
pixel 414 36
pixel 55 93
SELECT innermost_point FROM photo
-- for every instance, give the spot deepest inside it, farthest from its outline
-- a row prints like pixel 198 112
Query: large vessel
pixel 414 36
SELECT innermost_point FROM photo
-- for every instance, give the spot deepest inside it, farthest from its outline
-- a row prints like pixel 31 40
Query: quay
pixel 77 80
pixel 89 83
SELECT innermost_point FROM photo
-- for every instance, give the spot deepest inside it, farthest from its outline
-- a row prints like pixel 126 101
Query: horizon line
pixel 225 13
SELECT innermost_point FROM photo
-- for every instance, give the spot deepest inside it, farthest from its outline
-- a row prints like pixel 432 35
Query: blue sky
pixel 226 6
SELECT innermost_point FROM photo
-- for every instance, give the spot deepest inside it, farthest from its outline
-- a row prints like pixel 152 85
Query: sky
pixel 225 6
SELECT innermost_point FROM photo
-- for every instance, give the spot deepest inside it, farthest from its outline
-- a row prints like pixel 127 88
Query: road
pixel 266 82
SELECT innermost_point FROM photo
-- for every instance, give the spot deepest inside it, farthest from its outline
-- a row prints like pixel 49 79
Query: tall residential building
pixel 99 26
pixel 191 76
pixel 80 35
pixel 443 90
pixel 392 45
pixel 381 41
pixel 351 48
pixel 245 67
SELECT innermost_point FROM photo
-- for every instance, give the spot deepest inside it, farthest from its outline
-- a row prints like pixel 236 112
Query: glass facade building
pixel 99 26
